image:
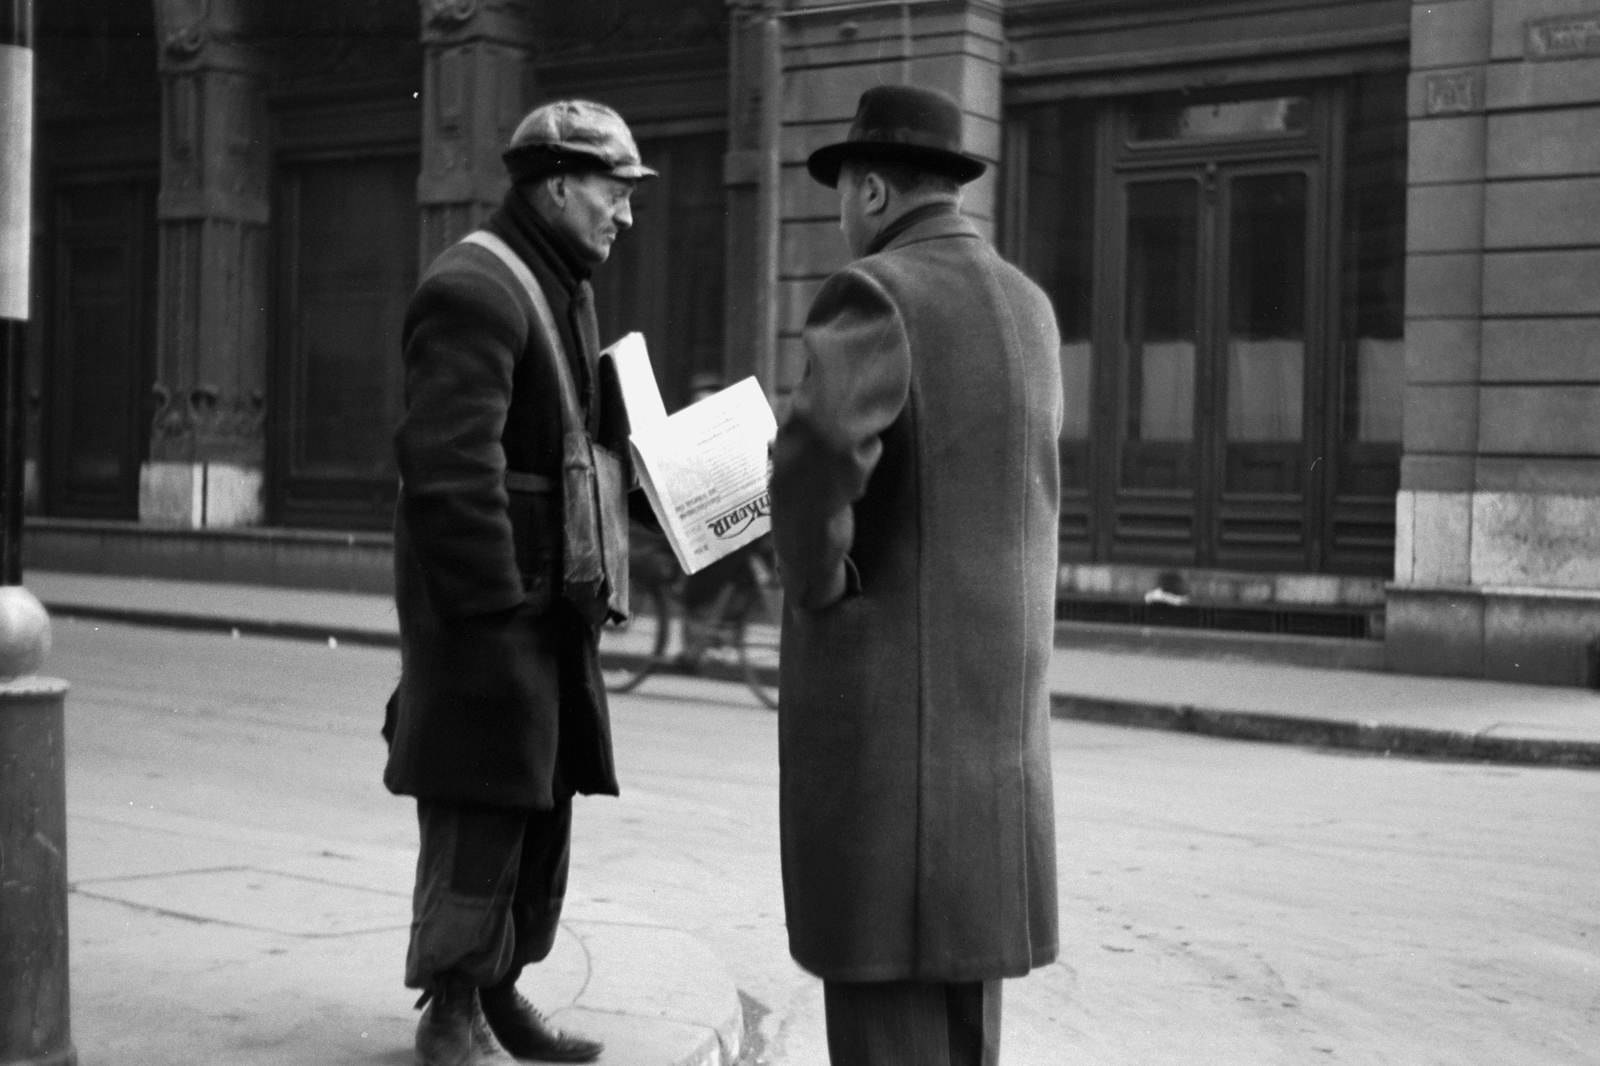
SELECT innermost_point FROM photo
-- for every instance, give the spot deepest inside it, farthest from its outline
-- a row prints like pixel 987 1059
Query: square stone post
pixel 1444 306
pixel 207 443
pixel 475 87
pixel 1498 555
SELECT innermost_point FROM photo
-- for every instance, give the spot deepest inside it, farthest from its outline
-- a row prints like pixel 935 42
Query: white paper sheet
pixel 705 471
pixel 704 468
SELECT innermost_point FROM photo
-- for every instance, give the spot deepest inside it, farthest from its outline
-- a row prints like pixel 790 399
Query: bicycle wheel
pixel 758 635
pixel 630 651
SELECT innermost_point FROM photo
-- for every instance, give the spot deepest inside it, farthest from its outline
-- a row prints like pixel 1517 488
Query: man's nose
pixel 624 215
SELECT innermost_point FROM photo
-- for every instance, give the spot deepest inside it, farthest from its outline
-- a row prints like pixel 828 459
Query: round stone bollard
pixel 34 1021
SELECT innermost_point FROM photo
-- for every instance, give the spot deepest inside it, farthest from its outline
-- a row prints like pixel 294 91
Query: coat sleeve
pixel 463 333
pixel 858 375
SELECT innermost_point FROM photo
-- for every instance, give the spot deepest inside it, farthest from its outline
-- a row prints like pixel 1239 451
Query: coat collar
pixel 926 223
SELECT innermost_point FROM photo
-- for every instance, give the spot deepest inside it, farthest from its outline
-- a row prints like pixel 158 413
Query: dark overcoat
pixel 915 500
pixel 500 699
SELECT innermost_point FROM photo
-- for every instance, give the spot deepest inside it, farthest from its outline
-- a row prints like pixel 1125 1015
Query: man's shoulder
pixel 470 279
pixel 901 269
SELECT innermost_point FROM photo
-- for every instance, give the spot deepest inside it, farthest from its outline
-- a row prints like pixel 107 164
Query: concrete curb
pixel 1369 736
pixel 1327 732
pixel 226 624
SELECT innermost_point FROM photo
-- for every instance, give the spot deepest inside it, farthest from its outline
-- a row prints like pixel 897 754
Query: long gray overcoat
pixel 915 500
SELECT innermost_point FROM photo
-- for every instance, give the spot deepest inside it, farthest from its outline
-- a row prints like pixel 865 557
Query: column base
pixel 1532 635
pixel 200 495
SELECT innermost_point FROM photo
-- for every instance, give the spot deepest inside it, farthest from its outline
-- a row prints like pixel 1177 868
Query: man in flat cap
pixel 914 508
pixel 500 715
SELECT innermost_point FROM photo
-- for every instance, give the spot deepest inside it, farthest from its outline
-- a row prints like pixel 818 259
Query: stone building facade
pixel 1324 268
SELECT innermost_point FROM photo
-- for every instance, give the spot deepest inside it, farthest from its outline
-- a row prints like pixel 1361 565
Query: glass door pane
pixel 1266 334
pixel 1057 250
pixel 1160 334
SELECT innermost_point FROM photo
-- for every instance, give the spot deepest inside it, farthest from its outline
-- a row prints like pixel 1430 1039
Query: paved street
pixel 1222 902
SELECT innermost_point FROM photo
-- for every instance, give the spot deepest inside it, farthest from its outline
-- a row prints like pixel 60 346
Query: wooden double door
pixel 1220 358
pixel 1228 272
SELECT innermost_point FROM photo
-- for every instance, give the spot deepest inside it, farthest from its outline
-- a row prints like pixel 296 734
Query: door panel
pixel 1051 157
pixel 99 363
pixel 347 266
pixel 1267 229
pixel 1215 365
pixel 1161 333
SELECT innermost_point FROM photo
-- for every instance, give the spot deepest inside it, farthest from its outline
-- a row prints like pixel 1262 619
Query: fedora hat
pixel 900 124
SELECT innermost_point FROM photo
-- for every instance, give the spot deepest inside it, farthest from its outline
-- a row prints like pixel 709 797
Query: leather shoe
pixel 453 1031
pixel 527 1035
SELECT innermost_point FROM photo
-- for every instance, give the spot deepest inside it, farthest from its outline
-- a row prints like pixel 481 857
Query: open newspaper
pixel 704 468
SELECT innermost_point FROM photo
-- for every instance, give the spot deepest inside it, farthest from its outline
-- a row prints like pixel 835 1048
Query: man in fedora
pixel 500 716
pixel 914 508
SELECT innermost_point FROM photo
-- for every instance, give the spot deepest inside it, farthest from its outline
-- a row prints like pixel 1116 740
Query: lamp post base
pixel 34 1023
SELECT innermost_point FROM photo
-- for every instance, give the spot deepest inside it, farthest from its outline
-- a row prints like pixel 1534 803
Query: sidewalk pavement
pixel 281 935
pixel 1366 711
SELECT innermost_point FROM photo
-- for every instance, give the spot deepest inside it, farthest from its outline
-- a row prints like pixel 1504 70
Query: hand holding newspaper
pixel 704 469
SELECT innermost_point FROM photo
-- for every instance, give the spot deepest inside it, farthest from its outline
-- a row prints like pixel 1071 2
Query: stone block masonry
pixel 1497 569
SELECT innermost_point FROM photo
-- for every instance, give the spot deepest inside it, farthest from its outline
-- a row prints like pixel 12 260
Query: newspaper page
pixel 704 469
pixel 705 472
pixel 638 381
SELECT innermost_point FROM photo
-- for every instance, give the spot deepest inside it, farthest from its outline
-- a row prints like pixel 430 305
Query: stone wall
pixel 1497 568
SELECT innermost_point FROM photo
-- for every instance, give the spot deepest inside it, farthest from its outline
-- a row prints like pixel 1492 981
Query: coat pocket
pixel 536 539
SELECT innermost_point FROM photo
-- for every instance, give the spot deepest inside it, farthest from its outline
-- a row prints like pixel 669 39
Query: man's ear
pixel 874 193
pixel 556 186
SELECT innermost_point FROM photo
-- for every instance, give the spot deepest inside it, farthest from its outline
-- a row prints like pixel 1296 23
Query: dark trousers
pixel 913 1023
pixel 490 883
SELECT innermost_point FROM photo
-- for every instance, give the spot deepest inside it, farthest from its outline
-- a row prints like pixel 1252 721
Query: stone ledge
pixel 274 557
pixel 1533 635
pixel 1220 587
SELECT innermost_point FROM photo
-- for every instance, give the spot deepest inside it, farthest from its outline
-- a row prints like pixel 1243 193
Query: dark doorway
pixel 101 347
pixel 347 264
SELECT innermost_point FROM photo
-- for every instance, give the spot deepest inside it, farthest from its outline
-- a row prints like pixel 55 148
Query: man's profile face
pixel 591 209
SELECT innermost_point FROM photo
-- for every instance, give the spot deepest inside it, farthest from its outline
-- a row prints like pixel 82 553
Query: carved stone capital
pixel 204 423
pixel 446 22
pixel 447 15
pixel 204 35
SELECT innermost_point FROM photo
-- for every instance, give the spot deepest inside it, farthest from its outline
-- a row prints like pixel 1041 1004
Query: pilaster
pixel 1498 559
pixel 829 59
pixel 207 444
pixel 751 176
pixel 476 81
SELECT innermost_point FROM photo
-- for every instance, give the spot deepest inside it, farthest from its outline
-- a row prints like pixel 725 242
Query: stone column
pixel 207 445
pixel 751 177
pixel 1498 553
pixel 829 59
pixel 475 87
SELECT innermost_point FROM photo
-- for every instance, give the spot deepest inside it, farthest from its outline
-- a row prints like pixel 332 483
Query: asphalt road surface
pixel 1221 902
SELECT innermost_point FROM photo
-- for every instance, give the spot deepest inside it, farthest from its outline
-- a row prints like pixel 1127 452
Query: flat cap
pixel 573 135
